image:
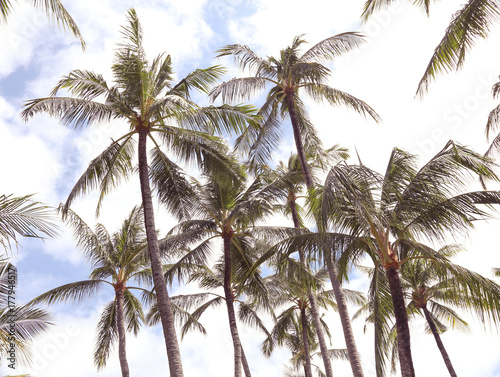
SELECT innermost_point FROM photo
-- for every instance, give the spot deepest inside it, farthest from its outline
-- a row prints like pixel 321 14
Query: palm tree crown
pixel 288 75
pixel 117 260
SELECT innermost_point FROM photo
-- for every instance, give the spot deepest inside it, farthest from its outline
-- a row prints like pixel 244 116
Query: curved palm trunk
pixel 230 307
pixel 244 361
pixel 305 342
pixel 297 135
pixel 312 300
pixel 164 307
pixel 352 350
pixel 122 353
pixel 403 330
pixel 440 344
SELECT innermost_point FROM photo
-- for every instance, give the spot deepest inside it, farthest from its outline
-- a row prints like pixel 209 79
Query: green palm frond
pixel 471 22
pixel 238 89
pixel 22 216
pixel 107 335
pixel 105 172
pixel 78 291
pixel 133 314
pixel 332 47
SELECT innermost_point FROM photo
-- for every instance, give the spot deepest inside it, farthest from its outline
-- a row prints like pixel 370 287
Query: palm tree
pixel 54 9
pixel 117 260
pixel 25 217
pixel 250 297
pixel 472 21
pixel 145 98
pixel 435 291
pixel 293 185
pixel 387 216
pixel 287 74
pixel 431 293
pixel 30 322
pixel 227 211
pixel 291 289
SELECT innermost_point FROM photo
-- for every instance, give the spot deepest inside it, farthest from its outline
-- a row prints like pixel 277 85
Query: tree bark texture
pixel 305 342
pixel 403 330
pixel 230 307
pixel 297 135
pixel 354 358
pixel 164 306
pixel 440 344
pixel 122 353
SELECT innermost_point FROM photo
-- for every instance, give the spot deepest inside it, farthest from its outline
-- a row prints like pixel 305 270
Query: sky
pixel 43 158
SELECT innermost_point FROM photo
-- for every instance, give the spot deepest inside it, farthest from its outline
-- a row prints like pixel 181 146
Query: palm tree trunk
pixel 230 307
pixel 164 306
pixel 312 299
pixel 244 361
pixel 440 344
pixel 403 330
pixel 305 342
pixel 297 135
pixel 122 353
pixel 354 359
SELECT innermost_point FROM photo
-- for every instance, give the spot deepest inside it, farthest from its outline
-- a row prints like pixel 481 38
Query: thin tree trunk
pixel 122 353
pixel 164 306
pixel 297 135
pixel 403 330
pixel 244 361
pixel 440 344
pixel 305 342
pixel 354 359
pixel 312 299
pixel 230 307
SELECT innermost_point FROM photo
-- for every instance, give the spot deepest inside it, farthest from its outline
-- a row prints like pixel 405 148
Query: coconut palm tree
pixel 25 217
pixel 290 290
pixel 287 75
pixel 29 321
pixel 54 10
pixel 117 260
pixel 388 216
pixel 146 99
pixel 249 296
pixel 320 161
pixel 227 211
pixel 471 22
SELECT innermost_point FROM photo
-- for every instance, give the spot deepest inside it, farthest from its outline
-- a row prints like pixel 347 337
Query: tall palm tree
pixel 53 8
pixel 117 260
pixel 145 98
pixel 30 321
pixel 472 21
pixel 25 217
pixel 227 211
pixel 320 161
pixel 288 74
pixel 388 216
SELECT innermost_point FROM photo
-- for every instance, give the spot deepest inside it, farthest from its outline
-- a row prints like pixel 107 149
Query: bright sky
pixel 43 157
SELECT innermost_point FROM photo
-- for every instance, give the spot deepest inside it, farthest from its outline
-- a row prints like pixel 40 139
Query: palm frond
pixel 107 335
pixel 22 216
pixel 471 22
pixel 105 172
pixel 333 47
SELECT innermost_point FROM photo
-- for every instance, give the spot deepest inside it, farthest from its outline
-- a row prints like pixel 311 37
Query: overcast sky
pixel 43 157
